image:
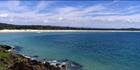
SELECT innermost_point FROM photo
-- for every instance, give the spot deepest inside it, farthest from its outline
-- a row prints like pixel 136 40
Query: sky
pixel 78 13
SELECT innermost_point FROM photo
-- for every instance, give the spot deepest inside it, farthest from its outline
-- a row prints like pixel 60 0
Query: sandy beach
pixel 29 30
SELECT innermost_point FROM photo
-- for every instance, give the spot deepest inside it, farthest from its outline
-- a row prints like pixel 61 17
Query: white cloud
pixel 69 15
pixel 4 15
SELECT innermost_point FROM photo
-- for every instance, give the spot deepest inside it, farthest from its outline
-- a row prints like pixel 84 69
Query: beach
pixel 31 30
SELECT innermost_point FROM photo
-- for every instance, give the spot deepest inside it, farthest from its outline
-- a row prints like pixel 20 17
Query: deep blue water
pixel 93 50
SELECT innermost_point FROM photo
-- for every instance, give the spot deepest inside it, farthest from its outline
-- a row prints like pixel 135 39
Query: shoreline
pixel 31 30
pixel 21 61
pixel 51 64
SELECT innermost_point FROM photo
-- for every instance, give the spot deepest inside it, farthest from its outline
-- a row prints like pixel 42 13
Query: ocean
pixel 90 50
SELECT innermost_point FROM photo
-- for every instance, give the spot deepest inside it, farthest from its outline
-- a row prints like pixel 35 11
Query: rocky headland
pixel 10 60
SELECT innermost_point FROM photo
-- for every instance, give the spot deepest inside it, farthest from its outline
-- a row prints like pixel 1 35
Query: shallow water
pixel 92 50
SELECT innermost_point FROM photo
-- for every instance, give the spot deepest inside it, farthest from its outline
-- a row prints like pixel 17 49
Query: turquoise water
pixel 93 50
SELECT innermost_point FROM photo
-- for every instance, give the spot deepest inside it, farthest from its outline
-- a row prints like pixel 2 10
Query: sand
pixel 29 30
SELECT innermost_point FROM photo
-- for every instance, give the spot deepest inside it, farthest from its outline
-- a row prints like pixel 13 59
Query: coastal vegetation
pixel 9 60
pixel 38 27
pixel 47 27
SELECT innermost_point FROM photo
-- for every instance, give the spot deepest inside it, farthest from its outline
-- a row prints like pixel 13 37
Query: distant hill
pixel 38 27
pixel 43 27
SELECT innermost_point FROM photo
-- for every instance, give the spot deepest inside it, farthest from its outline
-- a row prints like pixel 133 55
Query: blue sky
pixel 95 14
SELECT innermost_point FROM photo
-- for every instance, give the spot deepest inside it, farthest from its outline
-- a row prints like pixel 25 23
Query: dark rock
pixel 20 66
pixel 1 60
pixel 34 62
pixel 6 47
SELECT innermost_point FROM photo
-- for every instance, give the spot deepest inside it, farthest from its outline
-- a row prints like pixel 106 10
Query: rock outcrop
pixel 14 61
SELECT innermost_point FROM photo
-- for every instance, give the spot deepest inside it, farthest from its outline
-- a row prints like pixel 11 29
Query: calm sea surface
pixel 92 50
